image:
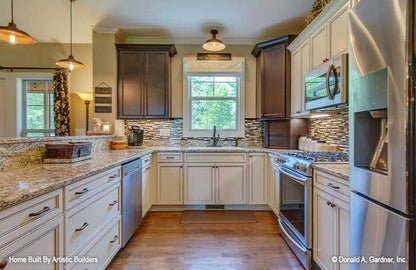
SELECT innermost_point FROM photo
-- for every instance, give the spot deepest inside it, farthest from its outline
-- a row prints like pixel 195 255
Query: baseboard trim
pixel 254 207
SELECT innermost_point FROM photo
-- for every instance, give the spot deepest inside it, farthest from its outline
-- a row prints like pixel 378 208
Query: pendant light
pixel 14 35
pixel 70 62
pixel 214 44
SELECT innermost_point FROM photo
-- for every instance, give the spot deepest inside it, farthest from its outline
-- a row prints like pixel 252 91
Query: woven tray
pixel 69 150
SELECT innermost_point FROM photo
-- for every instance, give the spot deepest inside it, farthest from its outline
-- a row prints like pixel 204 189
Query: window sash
pixel 235 98
pixel 48 108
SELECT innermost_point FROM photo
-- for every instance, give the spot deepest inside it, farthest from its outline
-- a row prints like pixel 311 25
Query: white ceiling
pixel 239 21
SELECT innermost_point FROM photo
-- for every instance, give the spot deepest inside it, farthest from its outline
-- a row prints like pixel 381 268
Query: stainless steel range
pixel 295 215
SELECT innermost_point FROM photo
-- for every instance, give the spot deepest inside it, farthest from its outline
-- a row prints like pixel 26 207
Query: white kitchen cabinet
pixel 258 178
pixel 231 183
pixel 296 81
pixel 170 183
pixel 276 205
pixel 146 190
pixel 199 183
pixel 338 32
pixel 323 227
pixel 46 240
pixel 330 221
pixel 271 198
pixel 300 67
pixel 319 49
pixel 325 38
pixel 342 219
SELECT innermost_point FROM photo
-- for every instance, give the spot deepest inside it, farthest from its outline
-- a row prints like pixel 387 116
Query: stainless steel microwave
pixel 326 85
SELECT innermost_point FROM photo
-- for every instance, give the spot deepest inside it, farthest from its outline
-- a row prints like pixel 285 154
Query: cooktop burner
pixel 320 156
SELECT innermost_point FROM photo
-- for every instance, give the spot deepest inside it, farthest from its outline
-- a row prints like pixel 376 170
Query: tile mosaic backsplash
pixel 253 134
pixel 332 129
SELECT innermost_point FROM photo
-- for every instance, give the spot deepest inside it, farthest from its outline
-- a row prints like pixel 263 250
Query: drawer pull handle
pixel 333 205
pixel 170 157
pixel 148 168
pixel 147 160
pixel 113 176
pixel 114 239
pixel 332 186
pixel 85 225
pixel 113 203
pixel 85 190
pixel 44 210
pixel 3 264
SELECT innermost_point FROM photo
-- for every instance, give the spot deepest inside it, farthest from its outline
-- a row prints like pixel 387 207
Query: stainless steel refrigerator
pixel 382 134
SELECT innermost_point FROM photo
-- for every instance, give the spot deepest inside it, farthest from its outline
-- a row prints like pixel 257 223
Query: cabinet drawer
pixel 331 184
pixel 104 248
pixel 169 157
pixel 146 160
pixel 215 157
pixel 46 240
pixel 81 191
pixel 19 219
pixel 85 221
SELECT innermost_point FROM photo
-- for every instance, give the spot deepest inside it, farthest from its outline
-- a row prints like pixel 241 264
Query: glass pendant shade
pixel 14 35
pixel 214 44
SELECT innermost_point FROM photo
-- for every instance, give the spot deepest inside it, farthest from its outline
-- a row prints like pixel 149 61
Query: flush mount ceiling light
pixel 14 35
pixel 70 62
pixel 214 44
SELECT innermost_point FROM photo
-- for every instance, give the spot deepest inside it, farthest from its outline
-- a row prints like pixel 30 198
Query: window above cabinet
pixel 213 95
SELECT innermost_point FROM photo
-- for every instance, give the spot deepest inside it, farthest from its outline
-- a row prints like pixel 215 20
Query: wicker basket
pixel 68 150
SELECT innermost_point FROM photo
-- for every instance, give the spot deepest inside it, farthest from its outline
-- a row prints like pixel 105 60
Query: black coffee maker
pixel 135 136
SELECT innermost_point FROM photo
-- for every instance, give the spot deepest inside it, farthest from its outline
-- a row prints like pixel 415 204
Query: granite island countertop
pixel 340 170
pixel 20 185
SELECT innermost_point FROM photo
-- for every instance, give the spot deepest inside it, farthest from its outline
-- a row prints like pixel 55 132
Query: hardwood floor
pixel 163 243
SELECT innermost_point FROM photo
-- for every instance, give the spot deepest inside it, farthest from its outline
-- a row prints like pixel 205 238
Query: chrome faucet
pixel 215 137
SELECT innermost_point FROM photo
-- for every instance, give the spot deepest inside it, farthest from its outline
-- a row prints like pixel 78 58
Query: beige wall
pixel 45 55
pixel 105 69
pixel 235 50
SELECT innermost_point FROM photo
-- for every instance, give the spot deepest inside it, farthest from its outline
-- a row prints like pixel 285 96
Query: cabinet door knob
pixel 85 225
pixel 333 205
pixel 3 264
pixel 82 191
pixel 328 203
pixel 44 210
pixel 114 239
pixel 113 176
pixel 113 203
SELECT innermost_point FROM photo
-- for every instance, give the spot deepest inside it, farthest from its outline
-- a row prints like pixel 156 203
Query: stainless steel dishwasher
pixel 131 198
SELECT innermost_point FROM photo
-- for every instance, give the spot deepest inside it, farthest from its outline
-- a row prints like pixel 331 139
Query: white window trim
pixel 239 132
pixel 47 119
pixel 14 96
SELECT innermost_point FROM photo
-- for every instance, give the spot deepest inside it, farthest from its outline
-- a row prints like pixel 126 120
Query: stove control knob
pixel 304 168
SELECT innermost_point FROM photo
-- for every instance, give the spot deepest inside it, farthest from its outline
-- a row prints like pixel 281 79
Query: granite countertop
pixel 340 170
pixel 19 185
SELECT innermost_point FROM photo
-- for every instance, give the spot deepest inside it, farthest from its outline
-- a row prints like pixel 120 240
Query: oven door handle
pixel 282 227
pixel 301 180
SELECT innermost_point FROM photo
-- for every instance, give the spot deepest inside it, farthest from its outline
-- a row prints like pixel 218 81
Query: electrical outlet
pixel 164 132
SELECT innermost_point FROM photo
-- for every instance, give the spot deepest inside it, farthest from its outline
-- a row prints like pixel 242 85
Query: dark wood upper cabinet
pixel 273 78
pixel 144 81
